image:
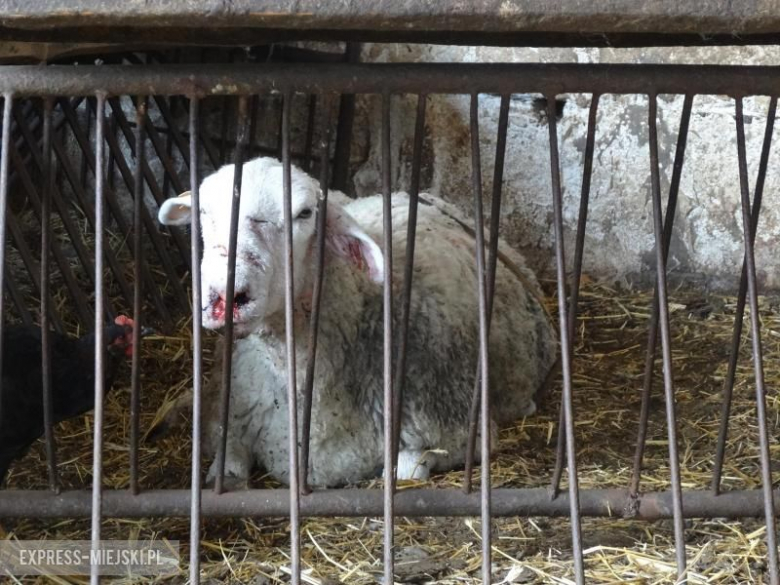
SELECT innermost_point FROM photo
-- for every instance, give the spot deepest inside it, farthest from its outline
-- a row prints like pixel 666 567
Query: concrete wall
pixel 707 243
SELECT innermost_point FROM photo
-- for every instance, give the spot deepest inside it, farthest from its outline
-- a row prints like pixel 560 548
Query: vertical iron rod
pixel 476 185
pixel 758 356
pixel 652 337
pixel 495 216
pixel 230 287
pixel 666 345
pixel 574 288
pixel 197 346
pixel 5 141
pixel 289 326
pixel 728 386
pixel 100 346
pixel 138 290
pixel 48 406
pixel 414 192
pixel 316 301
pixel 560 260
pixel 387 306
pixel 309 140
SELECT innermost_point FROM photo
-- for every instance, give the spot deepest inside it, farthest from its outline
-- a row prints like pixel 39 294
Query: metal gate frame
pixel 197 82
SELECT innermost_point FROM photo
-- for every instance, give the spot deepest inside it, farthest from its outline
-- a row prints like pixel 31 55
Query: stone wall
pixel 707 242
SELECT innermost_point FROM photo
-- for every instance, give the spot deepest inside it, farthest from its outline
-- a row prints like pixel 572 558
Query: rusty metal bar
pixel 289 328
pixel 455 78
pixel 560 260
pixel 316 301
pixel 652 337
pixel 476 185
pixel 230 288
pixel 728 386
pixel 387 362
pixel 666 344
pixel 19 301
pixel 138 291
pixel 574 287
pixel 309 140
pixel 495 216
pixel 406 299
pixel 758 356
pixel 100 346
pixel 5 141
pixel 46 357
pixel 197 347
pixel 413 502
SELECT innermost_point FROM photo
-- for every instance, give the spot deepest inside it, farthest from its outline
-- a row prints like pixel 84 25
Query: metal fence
pixel 102 85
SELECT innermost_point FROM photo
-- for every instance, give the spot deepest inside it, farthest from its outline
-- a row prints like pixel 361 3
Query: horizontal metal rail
pixel 453 78
pixel 364 502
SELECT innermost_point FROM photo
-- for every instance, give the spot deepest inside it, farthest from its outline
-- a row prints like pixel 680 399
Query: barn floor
pixel 607 377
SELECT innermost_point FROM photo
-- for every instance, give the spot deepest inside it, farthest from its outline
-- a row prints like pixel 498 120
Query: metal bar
pixel 758 356
pixel 476 185
pixel 666 346
pixel 289 327
pixel 387 311
pixel 560 260
pixel 412 502
pixel 309 140
pixel 728 385
pixel 344 129
pixel 495 216
pixel 138 291
pixel 197 347
pixel 100 346
pixel 253 114
pixel 316 301
pixel 46 381
pixel 5 141
pixel 574 288
pixel 19 301
pixel 456 78
pixel 230 287
pixel 406 299
pixel 652 337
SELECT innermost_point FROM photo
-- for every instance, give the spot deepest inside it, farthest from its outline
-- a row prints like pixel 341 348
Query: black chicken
pixel 73 381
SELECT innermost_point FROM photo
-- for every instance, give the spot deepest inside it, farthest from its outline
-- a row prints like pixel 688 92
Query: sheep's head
pixel 260 257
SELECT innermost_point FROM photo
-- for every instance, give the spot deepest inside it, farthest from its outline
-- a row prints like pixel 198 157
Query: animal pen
pixel 91 149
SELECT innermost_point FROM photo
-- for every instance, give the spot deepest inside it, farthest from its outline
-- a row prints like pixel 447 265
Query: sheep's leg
pixel 238 467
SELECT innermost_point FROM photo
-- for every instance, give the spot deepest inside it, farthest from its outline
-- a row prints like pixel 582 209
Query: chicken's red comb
pixel 124 321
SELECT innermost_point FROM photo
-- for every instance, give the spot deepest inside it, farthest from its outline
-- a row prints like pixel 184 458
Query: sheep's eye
pixel 305 213
pixel 257 221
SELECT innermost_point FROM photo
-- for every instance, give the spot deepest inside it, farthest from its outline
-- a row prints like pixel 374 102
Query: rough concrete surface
pixel 707 243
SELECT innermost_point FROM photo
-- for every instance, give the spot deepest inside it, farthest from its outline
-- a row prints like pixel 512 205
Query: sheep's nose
pixel 219 304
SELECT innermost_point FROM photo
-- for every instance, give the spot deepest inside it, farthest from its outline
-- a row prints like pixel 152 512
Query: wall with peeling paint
pixel 707 242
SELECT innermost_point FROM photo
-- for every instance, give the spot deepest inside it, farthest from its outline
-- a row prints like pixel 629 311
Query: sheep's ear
pixel 346 239
pixel 176 210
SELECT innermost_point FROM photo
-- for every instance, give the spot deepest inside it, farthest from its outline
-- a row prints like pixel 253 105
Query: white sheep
pixel 347 414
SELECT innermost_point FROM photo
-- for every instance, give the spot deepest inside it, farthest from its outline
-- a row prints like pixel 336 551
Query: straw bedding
pixel 610 341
